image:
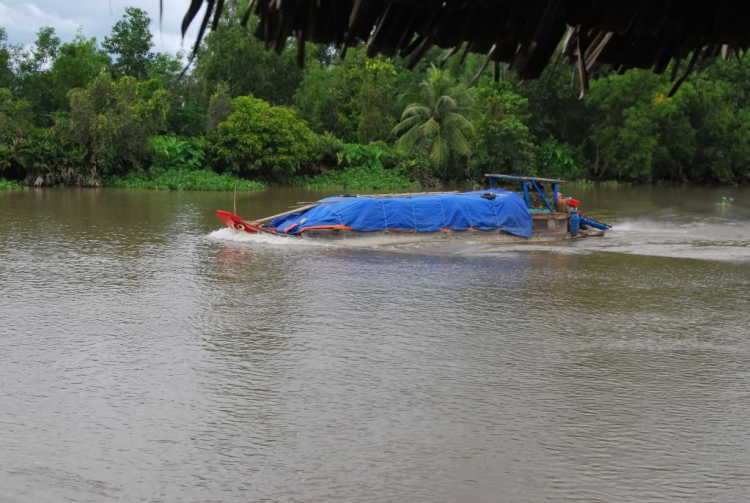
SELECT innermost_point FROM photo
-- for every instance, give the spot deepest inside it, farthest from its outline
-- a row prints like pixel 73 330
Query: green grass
pixel 11 185
pixel 182 180
pixel 358 178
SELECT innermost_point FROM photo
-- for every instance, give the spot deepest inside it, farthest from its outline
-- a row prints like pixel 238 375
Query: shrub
pixel 220 106
pixel 326 151
pixel 263 141
pixel 48 159
pixel 503 142
pixel 11 185
pixel 113 122
pixel 170 153
pixel 557 160
pixel 371 166
pixel 360 178
pixel 373 155
pixel 15 126
pixel 200 179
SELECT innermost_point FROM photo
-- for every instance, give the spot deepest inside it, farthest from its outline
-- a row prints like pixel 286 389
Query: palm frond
pixel 459 121
pixel 416 110
pixel 457 140
pixel 406 124
pixel 446 103
pixel 440 149
pixel 430 128
pixel 464 95
pixel 410 137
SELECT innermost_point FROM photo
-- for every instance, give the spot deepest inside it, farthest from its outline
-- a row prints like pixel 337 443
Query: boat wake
pixel 702 239
pixel 711 240
pixel 227 234
pixel 266 239
pixel 699 240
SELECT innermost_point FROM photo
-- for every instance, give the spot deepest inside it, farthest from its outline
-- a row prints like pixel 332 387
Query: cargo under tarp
pixel 420 213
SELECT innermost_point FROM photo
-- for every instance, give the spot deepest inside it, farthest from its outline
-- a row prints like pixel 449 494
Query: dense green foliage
pixel 503 142
pixel 263 141
pixel 232 55
pixel 10 185
pixel 200 179
pixel 354 99
pixel 435 119
pixel 360 178
pixel 130 43
pixel 375 166
pixel 81 112
pixel 114 121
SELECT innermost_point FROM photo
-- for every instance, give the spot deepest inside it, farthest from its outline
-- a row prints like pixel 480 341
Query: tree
pixel 78 63
pixel 130 42
pixel 15 126
pixel 503 142
pixel 114 120
pixel 354 99
pixel 627 137
pixel 220 106
pixel 187 113
pixel 436 118
pixel 233 55
pixel 261 140
pixel 554 105
pixel 32 77
pixel 7 77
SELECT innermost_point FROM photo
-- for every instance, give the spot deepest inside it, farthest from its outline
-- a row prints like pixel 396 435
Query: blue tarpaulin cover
pixel 428 213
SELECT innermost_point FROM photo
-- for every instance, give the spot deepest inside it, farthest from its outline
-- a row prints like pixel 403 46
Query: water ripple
pixel 148 358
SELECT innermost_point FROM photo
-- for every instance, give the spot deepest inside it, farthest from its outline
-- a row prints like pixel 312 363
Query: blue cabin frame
pixel 533 181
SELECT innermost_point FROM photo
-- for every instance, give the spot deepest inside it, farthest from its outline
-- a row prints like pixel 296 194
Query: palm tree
pixel 436 117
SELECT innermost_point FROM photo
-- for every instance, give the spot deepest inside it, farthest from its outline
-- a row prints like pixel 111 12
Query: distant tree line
pixel 85 112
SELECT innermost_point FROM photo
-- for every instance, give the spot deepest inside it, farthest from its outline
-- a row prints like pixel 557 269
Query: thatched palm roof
pixel 524 34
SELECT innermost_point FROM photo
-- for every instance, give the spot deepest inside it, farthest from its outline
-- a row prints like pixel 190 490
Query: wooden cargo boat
pixel 492 215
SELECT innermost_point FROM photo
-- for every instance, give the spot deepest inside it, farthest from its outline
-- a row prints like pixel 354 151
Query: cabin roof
pixel 524 34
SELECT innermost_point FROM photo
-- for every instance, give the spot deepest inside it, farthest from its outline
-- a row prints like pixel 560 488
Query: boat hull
pixel 545 227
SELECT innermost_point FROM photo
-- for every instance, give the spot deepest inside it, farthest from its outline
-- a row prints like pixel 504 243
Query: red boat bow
pixel 234 222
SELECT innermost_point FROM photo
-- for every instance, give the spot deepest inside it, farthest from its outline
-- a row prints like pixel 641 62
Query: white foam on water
pixel 693 241
pixel 646 226
pixel 228 234
pixel 700 240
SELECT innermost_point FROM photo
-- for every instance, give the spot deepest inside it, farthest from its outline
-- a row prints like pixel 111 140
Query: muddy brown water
pixel 148 355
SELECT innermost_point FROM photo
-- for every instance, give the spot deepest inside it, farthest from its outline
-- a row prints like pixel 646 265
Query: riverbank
pixel 181 179
pixel 363 178
pixel 358 178
pixel 11 185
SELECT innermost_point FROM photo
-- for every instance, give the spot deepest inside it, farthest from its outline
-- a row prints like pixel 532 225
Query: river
pixel 147 355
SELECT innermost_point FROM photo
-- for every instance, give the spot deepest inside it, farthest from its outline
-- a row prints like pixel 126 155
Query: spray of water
pixel 227 234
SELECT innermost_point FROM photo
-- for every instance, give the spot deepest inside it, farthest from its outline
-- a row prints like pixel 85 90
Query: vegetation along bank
pixel 115 113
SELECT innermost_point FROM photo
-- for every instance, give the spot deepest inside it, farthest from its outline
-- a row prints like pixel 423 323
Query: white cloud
pixel 25 19
pixel 96 18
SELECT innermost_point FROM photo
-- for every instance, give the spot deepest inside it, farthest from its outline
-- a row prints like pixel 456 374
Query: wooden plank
pixel 526 178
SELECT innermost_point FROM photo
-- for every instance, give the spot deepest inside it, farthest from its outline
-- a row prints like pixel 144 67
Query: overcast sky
pixel 22 19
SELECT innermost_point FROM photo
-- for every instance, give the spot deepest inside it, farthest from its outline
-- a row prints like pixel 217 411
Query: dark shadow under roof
pixel 524 34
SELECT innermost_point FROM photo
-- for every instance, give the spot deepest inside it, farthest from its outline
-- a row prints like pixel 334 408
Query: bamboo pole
pixel 288 212
pixel 309 205
pixel 379 196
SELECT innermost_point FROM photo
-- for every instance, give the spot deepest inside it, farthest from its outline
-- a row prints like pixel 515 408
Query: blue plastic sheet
pixel 429 213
